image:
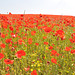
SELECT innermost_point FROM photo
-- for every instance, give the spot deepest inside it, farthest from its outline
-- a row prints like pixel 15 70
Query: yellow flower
pixel 37 61
pixel 12 69
pixel 67 71
pixel 31 69
pixel 20 70
pixel 65 61
pixel 34 64
pixel 31 65
pixel 73 73
pixel 33 60
pixel 38 64
pixel 69 67
pixel 46 47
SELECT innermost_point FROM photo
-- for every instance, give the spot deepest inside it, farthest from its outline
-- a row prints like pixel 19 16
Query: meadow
pixel 37 44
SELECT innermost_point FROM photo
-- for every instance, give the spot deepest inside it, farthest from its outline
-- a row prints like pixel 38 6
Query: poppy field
pixel 36 44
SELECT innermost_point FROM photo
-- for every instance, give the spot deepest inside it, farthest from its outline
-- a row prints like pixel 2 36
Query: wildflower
pixel 62 37
pixel 34 72
pixel 11 28
pixel 13 35
pixel 53 60
pixel 53 52
pixel 2 45
pixel 46 43
pixel 20 53
pixel 27 69
pixel 72 40
pixel 47 29
pixel 20 41
pixel 8 61
pixel 44 37
pixel 67 49
pixel 8 40
pixel 48 62
pixel 1 56
pixel 7 74
pixel 2 35
pixel 33 32
pixel 58 54
pixel 59 32
pixel 73 34
pixel 73 51
pixel 50 47
pixel 36 44
pixel 7 68
pixel 30 41
pixel 31 69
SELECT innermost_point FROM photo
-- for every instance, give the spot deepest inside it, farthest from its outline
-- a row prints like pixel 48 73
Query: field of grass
pixel 37 44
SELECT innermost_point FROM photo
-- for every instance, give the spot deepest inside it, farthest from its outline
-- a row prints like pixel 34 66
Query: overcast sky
pixel 55 7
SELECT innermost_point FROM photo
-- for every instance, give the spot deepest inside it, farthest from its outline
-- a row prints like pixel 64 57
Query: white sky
pixel 55 7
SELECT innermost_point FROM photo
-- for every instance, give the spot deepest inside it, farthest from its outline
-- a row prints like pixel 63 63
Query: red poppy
pixel 30 41
pixel 26 29
pixel 27 69
pixel 15 42
pixel 7 68
pixel 70 46
pixel 72 40
pixel 34 72
pixel 47 29
pixel 73 34
pixel 67 49
pixel 13 49
pixel 8 61
pixel 22 33
pixel 26 34
pixel 1 56
pixel 36 44
pixel 33 32
pixel 44 37
pixel 46 43
pixel 7 74
pixel 50 47
pixel 73 51
pixel 38 27
pixel 59 32
pixel 9 13
pixel 20 41
pixel 2 35
pixel 11 28
pixel 53 52
pixel 13 35
pixel 2 45
pixel 10 45
pixel 24 38
pixel 20 53
pixel 58 54
pixel 74 37
pixel 53 60
pixel 8 40
pixel 62 37
pixel 5 26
